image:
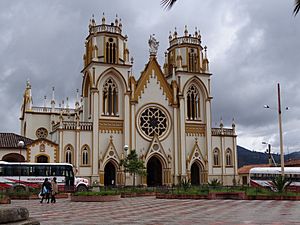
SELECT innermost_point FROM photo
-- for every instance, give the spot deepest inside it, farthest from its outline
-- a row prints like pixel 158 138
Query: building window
pixel 41 132
pixel 216 156
pixel 69 154
pixel 193 103
pixel 110 51
pixel 228 157
pixel 193 65
pixel 85 156
pixel 110 98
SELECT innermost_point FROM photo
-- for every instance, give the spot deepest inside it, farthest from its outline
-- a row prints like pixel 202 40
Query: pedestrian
pixel 46 190
pixel 54 189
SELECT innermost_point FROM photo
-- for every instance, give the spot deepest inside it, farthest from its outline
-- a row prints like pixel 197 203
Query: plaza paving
pixel 149 210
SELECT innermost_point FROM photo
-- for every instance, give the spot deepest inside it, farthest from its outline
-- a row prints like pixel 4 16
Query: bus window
pixel 24 170
pixel 1 171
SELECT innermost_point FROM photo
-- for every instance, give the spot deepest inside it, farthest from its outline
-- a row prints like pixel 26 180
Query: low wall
pixel 95 198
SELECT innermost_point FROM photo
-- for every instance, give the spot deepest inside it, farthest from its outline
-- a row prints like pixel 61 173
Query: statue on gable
pixel 153 45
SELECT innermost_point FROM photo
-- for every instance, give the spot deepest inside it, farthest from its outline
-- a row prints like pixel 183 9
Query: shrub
pixel 280 183
pixel 215 183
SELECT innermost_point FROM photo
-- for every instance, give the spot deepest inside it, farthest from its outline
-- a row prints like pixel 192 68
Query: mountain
pixel 248 157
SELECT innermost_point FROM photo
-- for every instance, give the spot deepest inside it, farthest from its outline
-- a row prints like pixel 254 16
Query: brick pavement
pixel 149 210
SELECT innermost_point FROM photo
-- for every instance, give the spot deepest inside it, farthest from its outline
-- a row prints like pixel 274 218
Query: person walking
pixel 54 189
pixel 46 190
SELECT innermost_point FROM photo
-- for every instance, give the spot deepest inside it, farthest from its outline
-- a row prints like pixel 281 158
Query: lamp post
pixel 280 129
pixel 20 146
pixel 125 150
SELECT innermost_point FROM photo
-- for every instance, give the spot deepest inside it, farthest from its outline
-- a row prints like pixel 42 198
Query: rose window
pixel 41 132
pixel 153 121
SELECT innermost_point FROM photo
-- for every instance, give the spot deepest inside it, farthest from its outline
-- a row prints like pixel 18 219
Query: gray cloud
pixel 251 47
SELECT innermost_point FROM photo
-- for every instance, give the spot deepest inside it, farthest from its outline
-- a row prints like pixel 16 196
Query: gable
pixel 153 70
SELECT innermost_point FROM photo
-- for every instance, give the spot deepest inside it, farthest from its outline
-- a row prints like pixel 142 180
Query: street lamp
pixel 21 145
pixel 280 129
pixel 125 150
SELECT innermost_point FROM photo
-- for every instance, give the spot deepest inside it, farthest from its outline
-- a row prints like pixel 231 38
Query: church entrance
pixel 195 173
pixel 154 172
pixel 13 157
pixel 42 159
pixel 109 174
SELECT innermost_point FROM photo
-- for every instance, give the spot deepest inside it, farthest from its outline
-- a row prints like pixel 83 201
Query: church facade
pixel 164 114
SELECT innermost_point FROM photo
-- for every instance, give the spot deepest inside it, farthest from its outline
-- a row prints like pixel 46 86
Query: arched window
pixel 193 65
pixel 216 155
pixel 228 157
pixel 69 154
pixel 110 98
pixel 85 156
pixel 193 103
pixel 110 51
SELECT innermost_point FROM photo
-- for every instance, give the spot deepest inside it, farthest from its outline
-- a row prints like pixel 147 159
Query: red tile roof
pixel 245 169
pixel 11 140
pixel 292 162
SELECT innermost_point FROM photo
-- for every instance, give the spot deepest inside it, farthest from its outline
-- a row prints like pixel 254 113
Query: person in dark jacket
pixel 46 190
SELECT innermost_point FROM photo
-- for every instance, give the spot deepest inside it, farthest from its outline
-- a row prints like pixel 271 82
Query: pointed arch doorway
pixel 154 172
pixel 196 170
pixel 109 174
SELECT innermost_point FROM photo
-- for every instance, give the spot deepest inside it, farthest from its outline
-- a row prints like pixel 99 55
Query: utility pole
pixel 280 132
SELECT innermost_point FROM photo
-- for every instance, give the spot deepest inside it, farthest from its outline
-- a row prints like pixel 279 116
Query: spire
pixel 186 31
pixel 196 32
pixel 175 33
pixel 103 19
pixel 67 104
pixel 170 36
pixel 233 125
pixel 53 96
pixel 77 99
pixel 45 103
pixel 53 100
pixel 116 20
pixel 221 123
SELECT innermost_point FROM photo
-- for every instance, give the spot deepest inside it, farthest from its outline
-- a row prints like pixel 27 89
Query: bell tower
pixel 106 43
pixel 185 54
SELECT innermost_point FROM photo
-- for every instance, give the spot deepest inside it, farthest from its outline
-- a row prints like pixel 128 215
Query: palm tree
pixel 168 4
pixel 297 7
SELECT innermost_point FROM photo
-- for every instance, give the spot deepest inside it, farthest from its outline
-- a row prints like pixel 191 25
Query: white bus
pixel 21 176
pixel 262 176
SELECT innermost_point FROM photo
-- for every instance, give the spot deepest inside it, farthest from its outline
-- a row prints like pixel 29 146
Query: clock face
pixel 153 120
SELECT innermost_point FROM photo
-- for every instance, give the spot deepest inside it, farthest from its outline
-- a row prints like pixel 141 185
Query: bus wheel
pixel 19 188
pixel 81 188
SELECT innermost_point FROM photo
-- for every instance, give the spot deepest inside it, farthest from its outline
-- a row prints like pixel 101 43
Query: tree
pixel 297 7
pixel 280 183
pixel 133 165
pixel 168 4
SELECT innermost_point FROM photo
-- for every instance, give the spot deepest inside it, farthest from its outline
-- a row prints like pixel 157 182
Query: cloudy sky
pixel 252 45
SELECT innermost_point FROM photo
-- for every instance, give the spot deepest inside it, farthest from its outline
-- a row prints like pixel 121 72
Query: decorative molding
pixel 111 126
pixel 195 129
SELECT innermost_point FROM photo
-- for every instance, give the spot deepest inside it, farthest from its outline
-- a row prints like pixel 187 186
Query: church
pixel 164 114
